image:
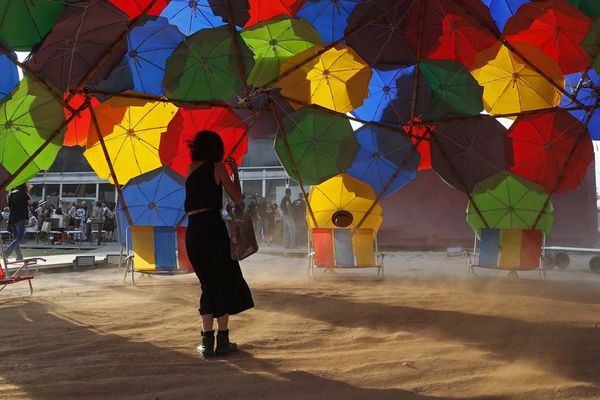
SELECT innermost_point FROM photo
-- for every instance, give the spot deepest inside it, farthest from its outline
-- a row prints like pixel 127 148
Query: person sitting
pixel 32 223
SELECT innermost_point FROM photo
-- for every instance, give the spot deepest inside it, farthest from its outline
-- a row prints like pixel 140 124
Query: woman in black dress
pixel 224 290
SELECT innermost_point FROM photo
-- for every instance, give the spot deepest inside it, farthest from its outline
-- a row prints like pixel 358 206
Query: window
pixel 106 193
pixel 84 190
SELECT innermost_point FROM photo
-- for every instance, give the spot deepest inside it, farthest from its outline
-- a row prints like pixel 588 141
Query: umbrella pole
pixel 110 165
pixel 236 47
pixel 292 161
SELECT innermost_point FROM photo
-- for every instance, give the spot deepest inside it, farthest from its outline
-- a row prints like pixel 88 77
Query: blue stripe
pixel 165 242
pixel 490 247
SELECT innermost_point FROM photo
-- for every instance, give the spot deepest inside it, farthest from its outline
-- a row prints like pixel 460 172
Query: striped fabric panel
pixel 489 247
pixel 142 239
pixel 510 248
pixel 322 240
pixel 344 256
pixel 165 242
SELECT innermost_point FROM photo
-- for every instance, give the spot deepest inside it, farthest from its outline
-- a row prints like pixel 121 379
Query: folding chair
pixel 7 278
pixel 509 250
pixel 153 251
pixel 344 248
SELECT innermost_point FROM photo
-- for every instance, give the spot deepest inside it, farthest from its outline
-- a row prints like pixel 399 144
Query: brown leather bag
pixel 241 236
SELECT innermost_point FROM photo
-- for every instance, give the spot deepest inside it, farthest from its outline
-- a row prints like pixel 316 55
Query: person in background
pixel 299 214
pixel 18 202
pixel 253 213
pixel 109 222
pixel 289 228
pixel 262 220
pixel 6 213
pixel 32 223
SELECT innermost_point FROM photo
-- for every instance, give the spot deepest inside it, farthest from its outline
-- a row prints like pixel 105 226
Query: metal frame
pixel 512 273
pixel 9 279
pixel 379 258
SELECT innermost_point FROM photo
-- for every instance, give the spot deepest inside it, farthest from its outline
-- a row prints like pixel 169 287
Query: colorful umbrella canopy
pixel 133 143
pixel 108 115
pixel 77 129
pixel 555 27
pixel 149 46
pixel 23 23
pixel 444 30
pixel 275 41
pixel 417 130
pixel 28 117
pixel 381 43
pixel 155 198
pixel 205 67
pixel 120 80
pixel 507 201
pixel 134 8
pixel 583 86
pixel 321 145
pixel 502 10
pixel 590 44
pixel 10 76
pixel 510 86
pixel 464 153
pixel 552 149
pixel 264 10
pixel 344 193
pixel 188 122
pixel 398 110
pixel 231 11
pixel 337 79
pixel 373 163
pixel 83 33
pixel 330 18
pixel 191 15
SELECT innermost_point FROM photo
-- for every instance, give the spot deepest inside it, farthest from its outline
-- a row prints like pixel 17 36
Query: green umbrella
pixel 321 145
pixel 24 23
pixel 507 201
pixel 273 42
pixel 589 43
pixel 589 7
pixel 205 66
pixel 27 118
pixel 454 91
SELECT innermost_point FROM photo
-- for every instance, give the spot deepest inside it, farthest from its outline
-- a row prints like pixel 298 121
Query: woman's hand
pixel 230 162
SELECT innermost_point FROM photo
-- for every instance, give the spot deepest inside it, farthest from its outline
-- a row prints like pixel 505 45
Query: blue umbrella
pixel 191 15
pixel 330 18
pixel 154 199
pixel 149 46
pixel 502 10
pixel 10 76
pixel 398 110
pixel 119 80
pixel 373 163
pixel 384 87
pixel 585 90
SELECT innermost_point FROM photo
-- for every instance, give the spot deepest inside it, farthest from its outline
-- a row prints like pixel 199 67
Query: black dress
pixel 224 290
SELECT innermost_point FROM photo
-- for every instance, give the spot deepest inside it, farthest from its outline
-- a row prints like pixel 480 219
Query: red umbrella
pixel 542 144
pixel 133 8
pixel 77 130
pixel 556 28
pixel 190 120
pixel 261 10
pixel 449 32
pixel 418 130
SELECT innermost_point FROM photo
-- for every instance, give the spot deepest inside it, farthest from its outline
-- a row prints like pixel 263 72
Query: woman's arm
pixel 232 188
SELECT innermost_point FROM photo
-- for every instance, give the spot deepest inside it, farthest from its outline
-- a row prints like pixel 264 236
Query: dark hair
pixel 207 146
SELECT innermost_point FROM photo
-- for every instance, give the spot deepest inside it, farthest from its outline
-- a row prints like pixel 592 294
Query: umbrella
pixel 542 145
pixel 134 8
pixel 590 43
pixel 133 143
pixel 23 23
pixel 321 145
pixel 444 30
pixel 381 43
pixel 83 33
pixel 149 46
pixel 466 152
pixel 510 86
pixel 77 129
pixel 343 193
pixel 191 15
pixel 398 110
pixel 155 198
pixel 261 10
pixel 502 10
pixel 10 75
pixel 28 117
pixel 590 7
pixel 275 41
pixel 108 115
pixel 330 18
pixel 553 27
pixel 188 122
pixel 584 88
pixel 417 129
pixel 507 201
pixel 373 163
pixel 237 9
pixel 337 79
pixel 204 67
pixel 120 80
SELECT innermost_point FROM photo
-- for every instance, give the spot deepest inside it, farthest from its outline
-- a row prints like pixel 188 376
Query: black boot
pixel 207 347
pixel 224 346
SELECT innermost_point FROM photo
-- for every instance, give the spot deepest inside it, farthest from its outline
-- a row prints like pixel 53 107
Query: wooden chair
pixel 344 248
pixel 509 250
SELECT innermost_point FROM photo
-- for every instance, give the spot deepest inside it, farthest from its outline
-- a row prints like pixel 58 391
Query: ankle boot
pixel 224 346
pixel 207 347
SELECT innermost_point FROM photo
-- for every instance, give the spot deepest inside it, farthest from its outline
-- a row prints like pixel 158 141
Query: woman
pixel 18 201
pixel 224 290
pixel 109 222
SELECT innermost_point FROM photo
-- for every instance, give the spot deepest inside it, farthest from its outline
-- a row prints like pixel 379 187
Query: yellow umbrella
pixel 342 201
pixel 511 86
pixel 338 79
pixel 133 143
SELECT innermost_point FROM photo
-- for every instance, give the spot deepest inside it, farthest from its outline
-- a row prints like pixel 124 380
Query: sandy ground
pixel 426 332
